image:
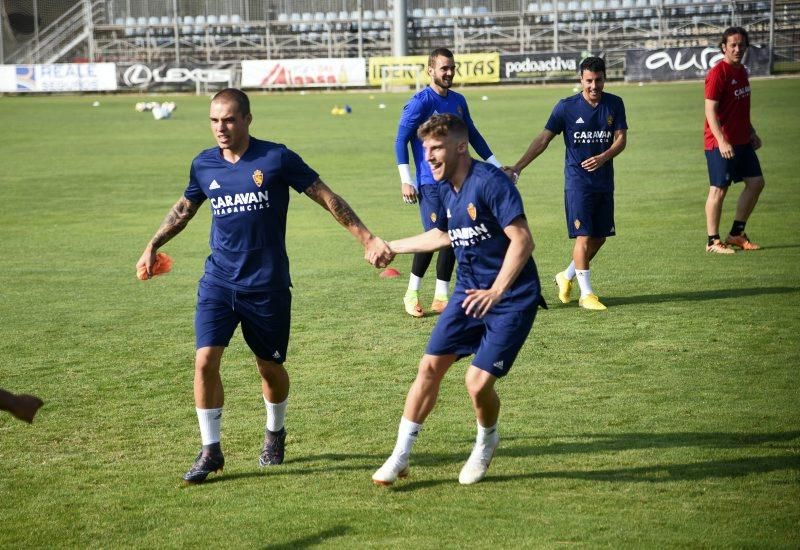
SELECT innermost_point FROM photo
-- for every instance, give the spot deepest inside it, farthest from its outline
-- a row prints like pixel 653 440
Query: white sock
pixel 406 436
pixel 414 283
pixel 584 281
pixel 276 414
pixel 442 288
pixel 210 421
pixel 569 273
pixel 486 435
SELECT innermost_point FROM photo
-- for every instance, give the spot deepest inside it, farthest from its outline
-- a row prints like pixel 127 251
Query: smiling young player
pixel 495 299
pixel 595 131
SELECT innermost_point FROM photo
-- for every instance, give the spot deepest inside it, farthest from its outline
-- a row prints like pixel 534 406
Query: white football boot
pixel 391 470
pixel 478 462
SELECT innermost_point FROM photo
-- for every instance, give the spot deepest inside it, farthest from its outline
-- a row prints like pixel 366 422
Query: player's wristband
pixel 494 162
pixel 405 173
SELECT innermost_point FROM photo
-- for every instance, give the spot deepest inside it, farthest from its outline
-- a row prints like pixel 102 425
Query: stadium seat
pixel 319 22
pixel 152 23
pixel 367 19
pixel 483 11
pixel 330 21
pixel 212 21
pixel 200 24
pixel 547 15
pixel 130 22
pixel 306 20
pixel 455 11
pixel 342 21
pixel 294 20
pixel 141 23
pixel 165 22
pixel 381 20
pixel 563 14
pixel 188 22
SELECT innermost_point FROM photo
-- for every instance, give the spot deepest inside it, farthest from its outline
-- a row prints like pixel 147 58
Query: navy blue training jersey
pixel 249 201
pixel 588 131
pixel 475 217
pixel 420 108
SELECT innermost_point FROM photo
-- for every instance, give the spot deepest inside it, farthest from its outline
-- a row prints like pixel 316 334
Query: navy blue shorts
pixel 430 205
pixel 589 213
pixel 495 340
pixel 265 318
pixel 722 171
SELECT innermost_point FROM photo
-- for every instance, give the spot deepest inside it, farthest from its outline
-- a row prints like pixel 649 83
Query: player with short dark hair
pixel 495 298
pixel 730 143
pixel 595 131
pixel 246 281
pixel 436 98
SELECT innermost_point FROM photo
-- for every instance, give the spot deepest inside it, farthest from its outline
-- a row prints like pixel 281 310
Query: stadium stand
pixel 222 31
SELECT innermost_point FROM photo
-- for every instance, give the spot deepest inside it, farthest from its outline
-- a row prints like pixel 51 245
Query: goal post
pixel 393 76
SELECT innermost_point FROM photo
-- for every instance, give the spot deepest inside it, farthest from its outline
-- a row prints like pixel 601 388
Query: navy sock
pixel 213 449
pixel 737 228
pixel 712 238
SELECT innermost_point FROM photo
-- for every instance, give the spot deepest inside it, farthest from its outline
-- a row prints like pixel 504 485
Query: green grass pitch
pixel 672 419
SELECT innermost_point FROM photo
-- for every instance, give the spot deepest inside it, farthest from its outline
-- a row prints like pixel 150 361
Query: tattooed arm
pixel 176 220
pixel 376 251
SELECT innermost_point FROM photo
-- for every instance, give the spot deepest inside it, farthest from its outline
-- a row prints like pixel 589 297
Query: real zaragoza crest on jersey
pixel 258 177
pixel 433 217
pixel 472 211
pixel 610 120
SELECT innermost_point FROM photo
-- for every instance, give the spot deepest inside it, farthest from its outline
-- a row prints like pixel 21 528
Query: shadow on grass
pixel 312 540
pixel 752 444
pixel 604 443
pixel 695 471
pixel 720 294
pixel 776 246
pixel 594 443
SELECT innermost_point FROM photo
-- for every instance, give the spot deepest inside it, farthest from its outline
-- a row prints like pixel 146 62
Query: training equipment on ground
pixel 162 265
pixel 390 273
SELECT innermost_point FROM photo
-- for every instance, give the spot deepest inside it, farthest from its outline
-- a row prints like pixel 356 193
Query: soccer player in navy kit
pixel 494 301
pixel 246 279
pixel 595 131
pixel 730 144
pixel 437 98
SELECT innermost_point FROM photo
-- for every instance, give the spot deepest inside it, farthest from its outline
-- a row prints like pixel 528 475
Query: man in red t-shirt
pixel 730 143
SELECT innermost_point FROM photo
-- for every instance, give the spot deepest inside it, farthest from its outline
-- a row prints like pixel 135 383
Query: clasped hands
pixel 378 253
